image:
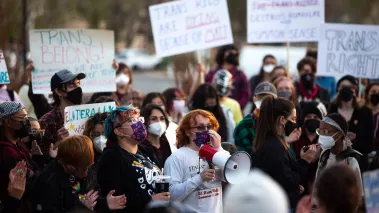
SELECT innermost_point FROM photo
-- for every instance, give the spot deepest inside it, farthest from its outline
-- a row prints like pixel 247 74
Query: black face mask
pixel 311 125
pixel 346 94
pixel 24 130
pixel 232 59
pixel 374 98
pixel 33 137
pixel 307 81
pixel 75 96
pixel 289 127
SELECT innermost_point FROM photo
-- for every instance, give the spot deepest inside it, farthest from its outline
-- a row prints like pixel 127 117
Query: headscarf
pixel 115 118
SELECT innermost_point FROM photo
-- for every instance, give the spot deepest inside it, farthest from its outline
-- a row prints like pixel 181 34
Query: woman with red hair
pixel 192 177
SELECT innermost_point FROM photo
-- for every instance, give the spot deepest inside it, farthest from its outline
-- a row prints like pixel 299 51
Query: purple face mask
pixel 202 138
pixel 139 132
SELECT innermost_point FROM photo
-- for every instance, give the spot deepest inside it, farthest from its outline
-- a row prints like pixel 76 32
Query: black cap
pixel 310 108
pixel 64 76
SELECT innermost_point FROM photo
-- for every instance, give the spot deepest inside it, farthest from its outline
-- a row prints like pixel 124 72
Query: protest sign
pixel 4 77
pixel 76 116
pixel 189 25
pixel 348 49
pixel 284 20
pixel 78 50
pixel 371 190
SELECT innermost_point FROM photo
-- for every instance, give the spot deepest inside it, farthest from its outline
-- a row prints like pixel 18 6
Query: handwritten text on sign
pixel 348 49
pixel 78 50
pixel 77 116
pixel 188 25
pixel 284 20
pixel 4 77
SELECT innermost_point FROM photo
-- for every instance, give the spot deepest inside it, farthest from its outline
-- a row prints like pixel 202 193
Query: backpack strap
pixel 349 152
pixel 11 94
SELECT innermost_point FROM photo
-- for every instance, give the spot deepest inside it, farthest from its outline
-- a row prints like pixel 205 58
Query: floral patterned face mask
pixel 139 132
pixel 202 138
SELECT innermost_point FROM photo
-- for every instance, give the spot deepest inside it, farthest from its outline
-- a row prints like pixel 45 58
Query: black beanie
pixel 310 108
pixel 350 78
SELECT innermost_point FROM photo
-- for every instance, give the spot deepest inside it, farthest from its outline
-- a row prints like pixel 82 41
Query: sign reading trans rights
pixel 188 25
pixel 348 49
pixel 270 21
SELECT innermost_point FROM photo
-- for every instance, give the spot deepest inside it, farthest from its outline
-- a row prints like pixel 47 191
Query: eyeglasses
pixel 203 128
pixel 37 132
pixel 133 120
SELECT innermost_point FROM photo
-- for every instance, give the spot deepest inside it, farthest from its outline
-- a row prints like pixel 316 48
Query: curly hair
pixel 189 121
pixel 98 118
pixel 307 61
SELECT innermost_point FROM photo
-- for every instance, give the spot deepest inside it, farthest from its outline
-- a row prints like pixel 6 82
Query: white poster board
pixel 76 116
pixel 189 25
pixel 78 50
pixel 284 20
pixel 348 49
pixel 4 77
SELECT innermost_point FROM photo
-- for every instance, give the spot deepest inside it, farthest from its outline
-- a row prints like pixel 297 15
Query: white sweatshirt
pixel 186 184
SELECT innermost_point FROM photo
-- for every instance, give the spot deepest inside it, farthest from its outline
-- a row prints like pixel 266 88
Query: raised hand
pixel 36 150
pixel 17 180
pixel 53 152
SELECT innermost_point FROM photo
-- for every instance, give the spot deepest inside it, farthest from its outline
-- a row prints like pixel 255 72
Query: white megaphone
pixel 234 167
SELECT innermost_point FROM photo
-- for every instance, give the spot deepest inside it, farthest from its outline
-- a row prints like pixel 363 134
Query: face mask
pixel 374 98
pixel 202 138
pixel 75 96
pixel 268 68
pixel 24 130
pixel 178 105
pixel 346 94
pixel 122 79
pixel 139 132
pixel 289 127
pixel 307 81
pixel 99 143
pixel 232 59
pixel 284 94
pixel 326 142
pixel 258 104
pixel 157 128
pixel 311 125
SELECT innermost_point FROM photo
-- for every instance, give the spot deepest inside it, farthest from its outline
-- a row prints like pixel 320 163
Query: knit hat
pixel 9 108
pixel 353 80
pixel 258 193
pixel 265 88
pixel 310 108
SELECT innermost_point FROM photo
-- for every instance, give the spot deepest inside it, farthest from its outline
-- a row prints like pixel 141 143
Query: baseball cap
pixel 64 76
pixel 265 88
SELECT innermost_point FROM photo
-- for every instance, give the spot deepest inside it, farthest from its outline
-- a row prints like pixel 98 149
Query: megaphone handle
pixel 210 164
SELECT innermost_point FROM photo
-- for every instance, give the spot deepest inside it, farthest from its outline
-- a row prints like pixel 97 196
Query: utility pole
pixel 24 29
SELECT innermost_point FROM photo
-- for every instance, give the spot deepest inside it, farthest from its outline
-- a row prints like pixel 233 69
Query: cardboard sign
pixel 4 77
pixel 371 189
pixel 78 50
pixel 189 25
pixel 77 116
pixel 284 20
pixel 348 49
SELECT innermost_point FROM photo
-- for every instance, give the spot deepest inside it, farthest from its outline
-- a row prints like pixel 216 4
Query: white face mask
pixel 258 104
pixel 157 128
pixel 122 79
pixel 268 68
pixel 99 143
pixel 178 105
pixel 326 142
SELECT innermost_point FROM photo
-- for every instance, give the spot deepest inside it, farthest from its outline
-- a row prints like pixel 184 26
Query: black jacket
pixel 129 174
pixel 282 166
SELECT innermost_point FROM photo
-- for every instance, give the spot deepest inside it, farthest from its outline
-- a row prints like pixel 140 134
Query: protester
pixel 206 98
pixel 277 120
pixel 125 165
pixel 154 98
pixel 372 102
pixel 228 58
pixel 338 190
pixel 7 94
pixel 14 125
pixel 245 131
pixel 66 92
pixel 97 95
pixel 175 103
pixel 222 82
pixel 125 93
pixel 158 99
pixel 278 72
pixel 16 187
pixel 306 88
pixel 104 99
pixel 156 121
pixel 360 119
pixel 268 65
pixel 286 89
pixel 258 194
pixel 193 181
pixel 336 145
pixel 59 188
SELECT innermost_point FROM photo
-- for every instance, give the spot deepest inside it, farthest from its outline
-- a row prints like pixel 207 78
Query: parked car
pixel 138 59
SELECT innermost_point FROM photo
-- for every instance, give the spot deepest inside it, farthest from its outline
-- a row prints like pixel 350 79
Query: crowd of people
pixel 309 141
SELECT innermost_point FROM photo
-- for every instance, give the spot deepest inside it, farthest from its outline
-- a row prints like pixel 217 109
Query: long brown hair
pixel 270 111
